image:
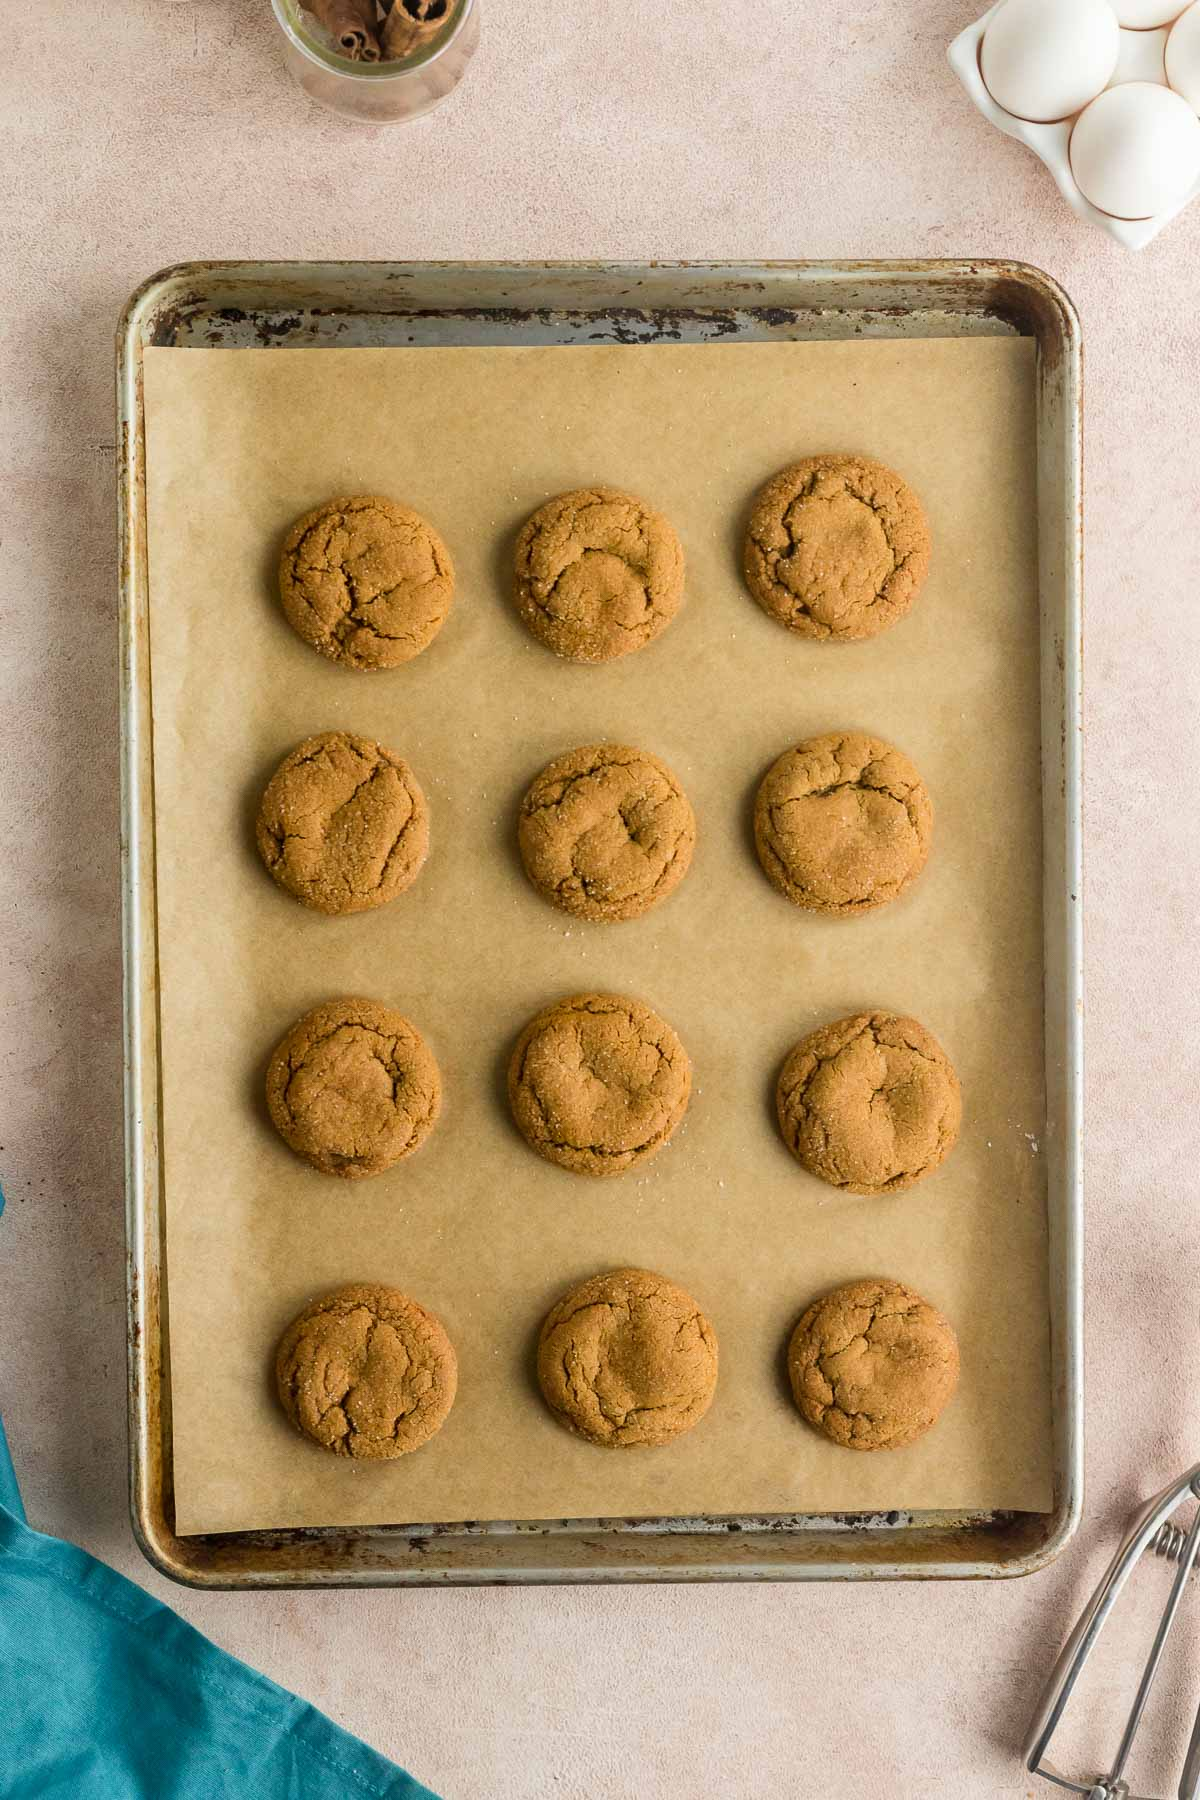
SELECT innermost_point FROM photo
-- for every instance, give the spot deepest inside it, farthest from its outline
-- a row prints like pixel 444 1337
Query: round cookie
pixel 598 574
pixel 366 1372
pixel 842 823
pixel 365 581
pixel 870 1104
pixel 627 1359
pixel 343 824
pixel 353 1087
pixel 837 547
pixel 606 832
pixel 598 1083
pixel 872 1365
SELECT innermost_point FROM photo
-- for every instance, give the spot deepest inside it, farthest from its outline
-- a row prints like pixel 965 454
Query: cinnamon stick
pixel 411 23
pixel 351 24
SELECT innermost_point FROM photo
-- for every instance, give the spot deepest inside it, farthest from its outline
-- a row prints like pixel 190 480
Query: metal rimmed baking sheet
pixel 999 297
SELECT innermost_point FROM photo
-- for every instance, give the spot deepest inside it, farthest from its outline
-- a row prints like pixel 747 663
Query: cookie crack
pixel 838 1402
pixel 567 784
pixel 847 861
pixel 799 1110
pixel 315 555
pixel 542 592
pixel 792 882
pixel 354 619
pixel 614 759
pixel 399 1078
pixel 547 1136
pixel 582 1387
pixel 341 863
pixel 868 779
pixel 800 607
pixel 570 840
pixel 352 1434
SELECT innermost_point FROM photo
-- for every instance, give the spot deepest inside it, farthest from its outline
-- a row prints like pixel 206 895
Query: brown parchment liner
pixel 239 442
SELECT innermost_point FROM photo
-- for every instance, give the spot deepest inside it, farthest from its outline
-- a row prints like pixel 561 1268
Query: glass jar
pixel 379 93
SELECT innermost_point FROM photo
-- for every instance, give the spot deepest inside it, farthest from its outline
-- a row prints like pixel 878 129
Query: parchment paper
pixel 475 1225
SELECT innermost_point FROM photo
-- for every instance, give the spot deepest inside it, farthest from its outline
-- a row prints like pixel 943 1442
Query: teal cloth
pixel 106 1694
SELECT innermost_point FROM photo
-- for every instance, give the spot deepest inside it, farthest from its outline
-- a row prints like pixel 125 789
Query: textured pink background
pixel 168 131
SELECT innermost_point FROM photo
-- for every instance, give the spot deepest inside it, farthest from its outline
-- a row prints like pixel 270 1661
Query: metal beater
pixel 1150 1530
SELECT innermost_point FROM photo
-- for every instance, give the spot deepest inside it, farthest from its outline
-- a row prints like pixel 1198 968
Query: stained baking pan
pixel 326 305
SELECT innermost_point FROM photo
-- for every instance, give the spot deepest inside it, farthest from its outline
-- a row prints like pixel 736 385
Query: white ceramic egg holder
pixel 1140 59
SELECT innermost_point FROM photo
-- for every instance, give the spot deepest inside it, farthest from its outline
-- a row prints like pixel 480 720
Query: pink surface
pixel 169 132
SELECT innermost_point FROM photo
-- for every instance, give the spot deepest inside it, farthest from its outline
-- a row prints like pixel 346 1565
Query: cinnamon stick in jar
pixel 351 24
pixel 411 23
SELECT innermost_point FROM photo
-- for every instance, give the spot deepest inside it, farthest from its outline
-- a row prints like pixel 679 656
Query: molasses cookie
pixel 872 1365
pixel 343 824
pixel 606 832
pixel 627 1358
pixel 353 1087
pixel 366 1372
pixel 837 547
pixel 842 823
pixel 365 581
pixel 598 574
pixel 870 1104
pixel 598 1083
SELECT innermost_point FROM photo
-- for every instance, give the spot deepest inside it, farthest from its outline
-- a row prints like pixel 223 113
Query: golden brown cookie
pixel 598 1083
pixel 606 832
pixel 627 1358
pixel 598 574
pixel 872 1365
pixel 837 547
pixel 366 1372
pixel 871 1104
pixel 353 1087
pixel 365 581
pixel 842 822
pixel 343 824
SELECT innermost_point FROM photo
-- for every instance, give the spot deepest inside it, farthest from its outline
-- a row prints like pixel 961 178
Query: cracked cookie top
pixel 366 1372
pixel 837 547
pixel 343 824
pixel 606 832
pixel 627 1359
pixel 842 823
pixel 598 1083
pixel 365 581
pixel 353 1087
pixel 598 574
pixel 872 1365
pixel 870 1104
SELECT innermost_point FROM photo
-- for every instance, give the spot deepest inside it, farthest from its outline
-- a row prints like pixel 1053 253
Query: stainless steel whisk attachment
pixel 1152 1531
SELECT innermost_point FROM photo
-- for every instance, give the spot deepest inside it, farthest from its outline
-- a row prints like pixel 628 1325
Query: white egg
pixel 1135 151
pixel 1183 56
pixel 1045 59
pixel 1144 15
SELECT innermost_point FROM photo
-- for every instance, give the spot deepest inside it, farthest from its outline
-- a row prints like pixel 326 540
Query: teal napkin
pixel 106 1694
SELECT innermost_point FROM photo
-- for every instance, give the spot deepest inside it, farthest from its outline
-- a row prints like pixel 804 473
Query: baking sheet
pixel 240 442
